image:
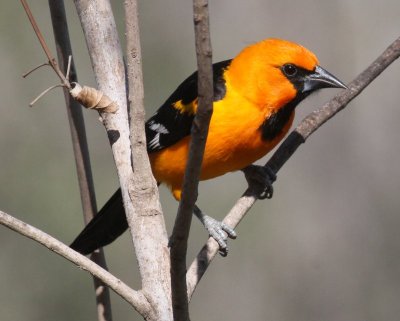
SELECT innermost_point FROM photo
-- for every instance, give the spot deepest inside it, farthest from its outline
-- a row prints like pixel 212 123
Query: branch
pixel 308 126
pixel 135 298
pixel 88 97
pixel 52 60
pixel 199 133
pixel 80 147
pixel 146 221
pixel 104 48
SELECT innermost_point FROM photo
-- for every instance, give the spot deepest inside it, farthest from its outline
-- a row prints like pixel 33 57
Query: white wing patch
pixel 158 129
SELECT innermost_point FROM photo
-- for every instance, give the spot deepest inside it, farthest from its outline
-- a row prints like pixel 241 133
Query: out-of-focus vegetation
pixel 326 247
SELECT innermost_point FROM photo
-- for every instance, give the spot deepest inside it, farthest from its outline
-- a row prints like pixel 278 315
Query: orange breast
pixel 234 142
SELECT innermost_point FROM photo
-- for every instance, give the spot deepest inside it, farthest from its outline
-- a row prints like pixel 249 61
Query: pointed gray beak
pixel 320 78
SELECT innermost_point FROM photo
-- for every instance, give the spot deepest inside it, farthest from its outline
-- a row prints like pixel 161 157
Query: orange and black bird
pixel 255 95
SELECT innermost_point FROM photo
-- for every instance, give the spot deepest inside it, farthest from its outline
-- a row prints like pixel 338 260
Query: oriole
pixel 255 95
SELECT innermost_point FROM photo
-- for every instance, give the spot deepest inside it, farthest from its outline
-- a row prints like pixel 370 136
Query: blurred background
pixel 326 247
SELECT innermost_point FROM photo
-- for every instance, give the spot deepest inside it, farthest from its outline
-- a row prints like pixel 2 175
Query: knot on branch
pixel 92 98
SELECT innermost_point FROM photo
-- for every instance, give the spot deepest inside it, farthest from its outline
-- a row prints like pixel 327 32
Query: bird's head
pixel 274 72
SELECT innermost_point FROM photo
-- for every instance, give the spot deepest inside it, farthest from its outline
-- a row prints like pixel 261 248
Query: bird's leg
pixel 260 179
pixel 216 229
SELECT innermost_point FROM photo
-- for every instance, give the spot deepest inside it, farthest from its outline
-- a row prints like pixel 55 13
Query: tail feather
pixel 104 228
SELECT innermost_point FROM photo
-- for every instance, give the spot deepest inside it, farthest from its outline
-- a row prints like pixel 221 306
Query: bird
pixel 255 96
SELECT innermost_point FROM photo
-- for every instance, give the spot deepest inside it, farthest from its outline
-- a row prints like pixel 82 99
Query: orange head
pixel 273 72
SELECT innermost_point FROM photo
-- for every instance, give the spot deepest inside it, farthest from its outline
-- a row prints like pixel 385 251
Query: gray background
pixel 326 247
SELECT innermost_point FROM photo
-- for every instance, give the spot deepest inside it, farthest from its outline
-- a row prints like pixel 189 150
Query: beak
pixel 320 78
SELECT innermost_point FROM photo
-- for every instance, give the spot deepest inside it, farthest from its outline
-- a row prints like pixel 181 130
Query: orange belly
pixel 234 142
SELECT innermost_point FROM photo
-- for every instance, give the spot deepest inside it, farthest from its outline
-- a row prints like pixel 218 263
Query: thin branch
pixel 146 221
pixel 308 126
pixel 80 147
pixel 44 92
pixel 135 298
pixel 52 60
pixel 34 69
pixel 67 74
pixel 199 133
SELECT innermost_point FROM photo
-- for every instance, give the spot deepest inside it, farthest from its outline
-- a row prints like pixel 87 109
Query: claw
pixel 260 178
pixel 219 231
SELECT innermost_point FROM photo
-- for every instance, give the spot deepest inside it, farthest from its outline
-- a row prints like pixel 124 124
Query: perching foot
pixel 217 230
pixel 260 179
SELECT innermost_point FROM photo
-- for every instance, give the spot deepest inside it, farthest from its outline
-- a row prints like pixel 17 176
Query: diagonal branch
pixel 199 133
pixel 80 147
pixel 52 60
pixel 308 126
pixel 135 298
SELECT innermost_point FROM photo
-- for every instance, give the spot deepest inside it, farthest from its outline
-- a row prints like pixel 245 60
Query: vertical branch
pixel 146 221
pixel 80 147
pixel 104 48
pixel 199 133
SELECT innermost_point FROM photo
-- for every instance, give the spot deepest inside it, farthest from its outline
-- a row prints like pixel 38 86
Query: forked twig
pixel 52 60
pixel 82 96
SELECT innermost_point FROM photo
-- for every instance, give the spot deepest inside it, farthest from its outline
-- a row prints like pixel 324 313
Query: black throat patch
pixel 273 125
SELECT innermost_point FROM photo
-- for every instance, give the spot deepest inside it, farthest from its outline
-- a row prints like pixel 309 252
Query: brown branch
pixel 199 133
pixel 52 60
pixel 307 126
pixel 146 220
pixel 88 97
pixel 135 298
pixel 80 147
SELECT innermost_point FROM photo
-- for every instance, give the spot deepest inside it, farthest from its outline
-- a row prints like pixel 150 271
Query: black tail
pixel 104 228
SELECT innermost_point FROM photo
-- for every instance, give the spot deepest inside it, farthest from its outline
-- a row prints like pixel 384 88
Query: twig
pixel 44 93
pixel 146 221
pixel 199 133
pixel 135 298
pixel 308 125
pixel 69 60
pixel 80 147
pixel 46 49
pixel 96 98
pixel 34 69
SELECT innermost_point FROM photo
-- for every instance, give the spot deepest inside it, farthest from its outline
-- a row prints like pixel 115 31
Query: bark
pixel 146 221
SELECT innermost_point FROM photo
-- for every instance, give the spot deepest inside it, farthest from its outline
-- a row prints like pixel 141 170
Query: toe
pixel 228 230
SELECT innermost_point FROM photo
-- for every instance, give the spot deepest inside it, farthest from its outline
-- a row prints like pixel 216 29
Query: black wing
pixel 169 124
pixel 165 128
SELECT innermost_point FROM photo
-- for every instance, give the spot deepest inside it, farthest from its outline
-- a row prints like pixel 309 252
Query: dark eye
pixel 289 70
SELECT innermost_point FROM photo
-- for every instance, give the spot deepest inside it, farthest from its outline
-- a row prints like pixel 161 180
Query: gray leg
pixel 216 229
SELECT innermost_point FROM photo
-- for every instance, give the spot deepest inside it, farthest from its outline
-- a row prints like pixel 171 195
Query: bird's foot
pixel 218 230
pixel 260 179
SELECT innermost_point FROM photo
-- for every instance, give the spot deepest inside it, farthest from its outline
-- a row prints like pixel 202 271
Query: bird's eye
pixel 289 70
